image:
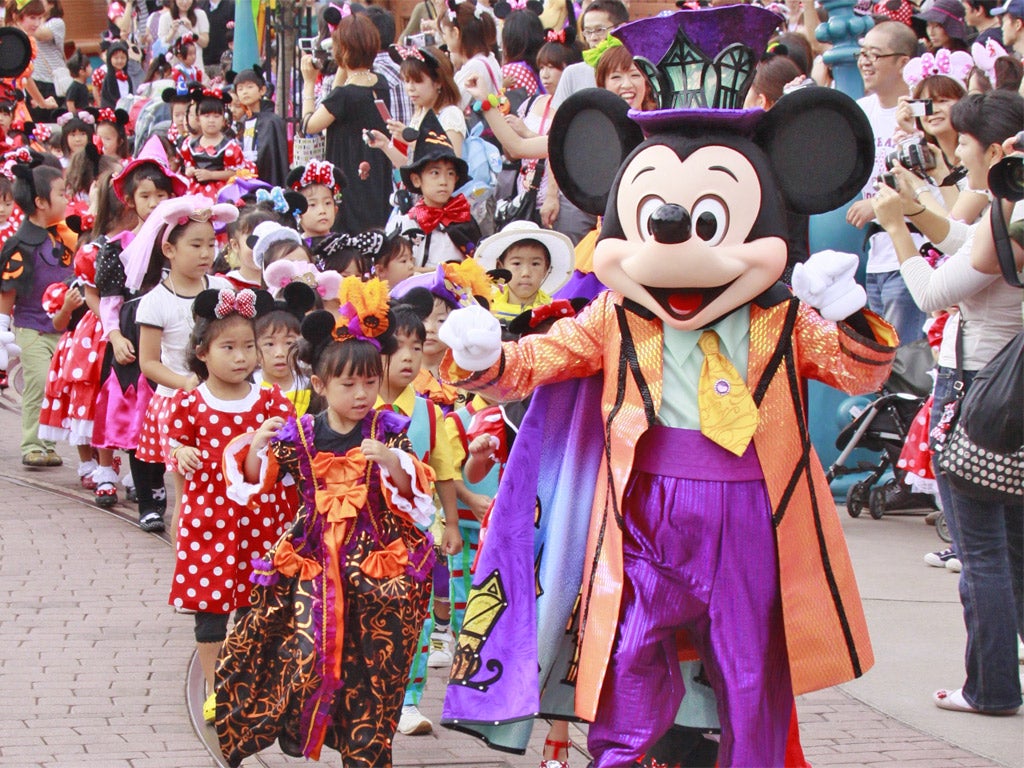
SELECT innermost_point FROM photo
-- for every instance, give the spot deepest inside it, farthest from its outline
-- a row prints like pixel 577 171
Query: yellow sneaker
pixel 210 708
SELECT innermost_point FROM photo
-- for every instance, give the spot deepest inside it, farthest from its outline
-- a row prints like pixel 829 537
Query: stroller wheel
pixel 942 528
pixel 876 502
pixel 856 499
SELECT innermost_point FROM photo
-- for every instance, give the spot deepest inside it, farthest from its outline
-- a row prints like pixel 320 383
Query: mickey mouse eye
pixel 710 220
pixel 645 210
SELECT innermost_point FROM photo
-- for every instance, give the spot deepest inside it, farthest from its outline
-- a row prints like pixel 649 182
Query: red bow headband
pixel 556 37
pixel 318 172
pixel 242 303
pixel 409 52
pixel 557 309
pixel 107 115
pixel 10 159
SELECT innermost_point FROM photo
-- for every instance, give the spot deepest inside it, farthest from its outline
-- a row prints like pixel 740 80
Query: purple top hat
pixel 699 65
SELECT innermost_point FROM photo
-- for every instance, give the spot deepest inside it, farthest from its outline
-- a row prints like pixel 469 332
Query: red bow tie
pixel 209 150
pixel 121 75
pixel 428 218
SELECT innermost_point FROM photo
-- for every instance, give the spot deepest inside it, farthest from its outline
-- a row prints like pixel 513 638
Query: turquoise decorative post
pixel 843 29
pixel 830 230
pixel 246 51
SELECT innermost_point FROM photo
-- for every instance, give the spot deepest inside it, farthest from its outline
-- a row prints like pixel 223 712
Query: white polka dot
pixel 214 418
pixel 193 569
pixel 220 499
pixel 221 523
pixel 86 342
pixel 180 579
pixel 77 373
pixel 218 547
pixel 215 594
pixel 204 582
pixel 202 408
pixel 237 420
pixel 229 583
pixel 190 592
pixel 202 605
pixel 230 559
pixel 218 571
pixel 207 535
pixel 194 546
pixel 206 558
pixel 181 555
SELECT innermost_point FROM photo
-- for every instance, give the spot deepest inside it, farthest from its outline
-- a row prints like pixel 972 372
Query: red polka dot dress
pixel 916 457
pixel 85 359
pixel 217 538
pixel 227 155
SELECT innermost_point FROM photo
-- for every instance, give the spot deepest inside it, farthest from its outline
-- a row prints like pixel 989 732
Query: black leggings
pixel 149 484
pixel 213 627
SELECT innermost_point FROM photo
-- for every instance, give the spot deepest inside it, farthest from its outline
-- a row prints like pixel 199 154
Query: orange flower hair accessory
pixel 466 280
pixel 364 310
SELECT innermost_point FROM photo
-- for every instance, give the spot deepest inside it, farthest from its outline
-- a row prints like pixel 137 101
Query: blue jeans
pixel 889 297
pixel 988 539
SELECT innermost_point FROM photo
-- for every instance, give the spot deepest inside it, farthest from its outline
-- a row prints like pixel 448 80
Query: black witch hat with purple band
pixel 699 65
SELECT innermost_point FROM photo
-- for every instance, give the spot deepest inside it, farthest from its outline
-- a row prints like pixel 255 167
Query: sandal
pixel 36 458
pixel 556 748
pixel 105 494
pixel 955 702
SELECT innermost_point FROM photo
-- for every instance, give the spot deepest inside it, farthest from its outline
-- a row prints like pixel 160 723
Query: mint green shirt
pixel 683 360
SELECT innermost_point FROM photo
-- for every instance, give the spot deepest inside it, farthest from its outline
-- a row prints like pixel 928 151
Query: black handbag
pixel 984 455
pixel 521 207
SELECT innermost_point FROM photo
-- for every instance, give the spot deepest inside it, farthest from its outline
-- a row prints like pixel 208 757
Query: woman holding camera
pixel 987 537
pixel 183 18
pixel 927 113
pixel 348 114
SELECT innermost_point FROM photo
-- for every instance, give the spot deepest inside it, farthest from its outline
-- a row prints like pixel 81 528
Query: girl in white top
pixel 429 81
pixel 181 231
pixel 470 35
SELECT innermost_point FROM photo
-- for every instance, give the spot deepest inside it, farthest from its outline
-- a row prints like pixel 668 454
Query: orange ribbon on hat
pixel 386 563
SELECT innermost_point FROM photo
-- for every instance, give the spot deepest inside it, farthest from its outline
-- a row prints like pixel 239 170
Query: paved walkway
pixel 93 663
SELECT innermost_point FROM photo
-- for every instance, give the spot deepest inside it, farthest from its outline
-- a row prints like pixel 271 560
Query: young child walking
pixel 431 445
pixel 263 132
pixel 216 539
pixel 443 218
pixel 181 231
pixel 125 393
pixel 320 183
pixel 538 262
pixel 212 158
pixel 365 498
pixel 277 334
pixel 33 258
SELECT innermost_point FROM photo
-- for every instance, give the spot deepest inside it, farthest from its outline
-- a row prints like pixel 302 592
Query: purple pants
pixel 698 554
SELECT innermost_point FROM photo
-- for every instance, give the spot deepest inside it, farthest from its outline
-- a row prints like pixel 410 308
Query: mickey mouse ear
pixel 410 134
pixel 317 327
pixel 251 241
pixel 265 303
pixel 296 202
pixel 332 15
pixel 15 51
pixel 298 298
pixel 230 75
pixel 122 117
pixel 74 223
pixel 420 300
pixel 205 303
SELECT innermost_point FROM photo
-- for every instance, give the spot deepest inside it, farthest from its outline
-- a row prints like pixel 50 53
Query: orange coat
pixel 825 627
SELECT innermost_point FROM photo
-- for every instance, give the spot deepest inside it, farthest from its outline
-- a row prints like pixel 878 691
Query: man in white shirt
pixel 884 52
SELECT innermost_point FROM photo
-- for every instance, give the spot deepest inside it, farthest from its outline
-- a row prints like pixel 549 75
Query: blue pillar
pixel 246 51
pixel 830 230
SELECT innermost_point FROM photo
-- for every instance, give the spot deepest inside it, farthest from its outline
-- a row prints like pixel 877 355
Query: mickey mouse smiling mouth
pixel 684 304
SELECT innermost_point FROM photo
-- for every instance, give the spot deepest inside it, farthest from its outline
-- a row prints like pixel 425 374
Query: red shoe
pixel 105 494
pixel 87 482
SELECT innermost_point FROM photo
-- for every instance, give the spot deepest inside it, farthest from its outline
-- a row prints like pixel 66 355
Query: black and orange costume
pixel 323 657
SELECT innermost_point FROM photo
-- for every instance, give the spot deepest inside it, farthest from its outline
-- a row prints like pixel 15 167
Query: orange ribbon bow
pixel 289 562
pixel 386 563
pixel 344 479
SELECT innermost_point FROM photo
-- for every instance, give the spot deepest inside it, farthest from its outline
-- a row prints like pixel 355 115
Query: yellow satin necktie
pixel 728 415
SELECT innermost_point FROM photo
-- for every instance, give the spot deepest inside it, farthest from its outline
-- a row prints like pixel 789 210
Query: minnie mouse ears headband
pixel 116 117
pixel 217 304
pixel 169 215
pixel 198 93
pixel 363 316
pixel 280 201
pixel 503 8
pixel 81 116
pixel 366 243
pixel 267 234
pixel 956 65
pixel 401 53
pixel 284 273
pixel 22 168
pixel 297 299
pixel 316 172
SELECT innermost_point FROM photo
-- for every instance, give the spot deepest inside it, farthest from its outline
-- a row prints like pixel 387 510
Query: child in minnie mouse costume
pixel 710 513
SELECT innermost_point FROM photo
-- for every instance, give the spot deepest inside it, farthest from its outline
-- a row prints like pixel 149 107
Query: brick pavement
pixel 93 662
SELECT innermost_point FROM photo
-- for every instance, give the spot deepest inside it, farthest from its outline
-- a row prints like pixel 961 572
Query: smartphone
pixel 920 107
pixel 382 108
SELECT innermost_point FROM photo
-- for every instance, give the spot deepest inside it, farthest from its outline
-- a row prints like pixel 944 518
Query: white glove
pixel 8 349
pixel 474 336
pixel 826 282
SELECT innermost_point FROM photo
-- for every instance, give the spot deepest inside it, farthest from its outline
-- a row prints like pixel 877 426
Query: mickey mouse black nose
pixel 670 224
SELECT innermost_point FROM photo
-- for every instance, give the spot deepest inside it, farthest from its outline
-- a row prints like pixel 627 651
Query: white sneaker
pixel 953 564
pixel 440 650
pixel 413 723
pixel 940 558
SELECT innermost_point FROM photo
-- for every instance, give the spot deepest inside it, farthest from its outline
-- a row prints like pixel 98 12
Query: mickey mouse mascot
pixel 708 518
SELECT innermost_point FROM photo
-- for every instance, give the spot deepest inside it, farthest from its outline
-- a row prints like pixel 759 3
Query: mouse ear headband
pixel 166 217
pixel 283 273
pixel 216 304
pixel 297 299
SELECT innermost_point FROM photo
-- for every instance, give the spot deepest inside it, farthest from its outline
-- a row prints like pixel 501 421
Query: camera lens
pixel 1006 178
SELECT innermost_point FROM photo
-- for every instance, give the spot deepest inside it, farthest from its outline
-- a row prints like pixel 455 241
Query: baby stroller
pixel 882 427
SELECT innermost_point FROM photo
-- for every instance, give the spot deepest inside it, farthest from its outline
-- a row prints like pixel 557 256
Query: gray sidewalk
pixel 93 662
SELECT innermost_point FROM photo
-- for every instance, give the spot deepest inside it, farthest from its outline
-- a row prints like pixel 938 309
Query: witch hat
pixel 432 143
pixel 153 153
